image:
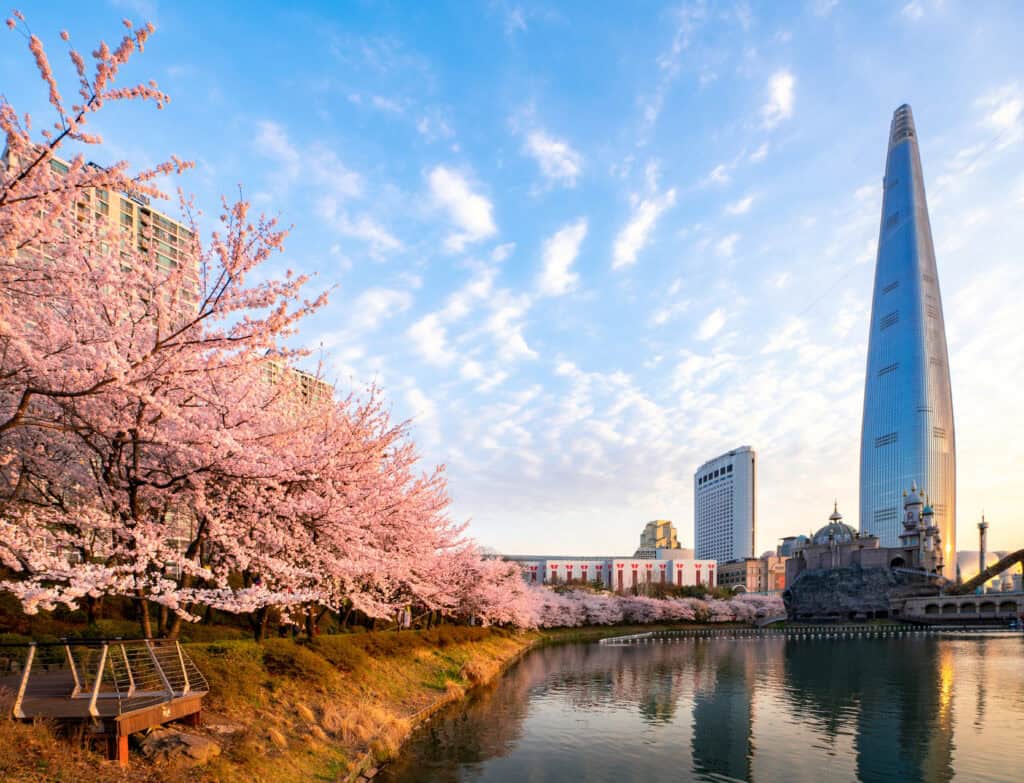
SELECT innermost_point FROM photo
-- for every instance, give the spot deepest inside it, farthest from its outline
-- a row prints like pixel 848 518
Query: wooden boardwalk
pixel 115 687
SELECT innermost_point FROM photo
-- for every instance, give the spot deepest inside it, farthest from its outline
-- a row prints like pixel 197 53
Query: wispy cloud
pixel 558 161
pixel 781 96
pixel 725 246
pixel 431 340
pixel 741 206
pixel 913 10
pixel 688 20
pixel 559 254
pixel 711 325
pixel 719 175
pixel 634 235
pixel 1002 110
pixel 823 7
pixel 470 212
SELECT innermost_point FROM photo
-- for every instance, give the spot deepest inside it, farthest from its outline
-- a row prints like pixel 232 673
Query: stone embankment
pixel 851 593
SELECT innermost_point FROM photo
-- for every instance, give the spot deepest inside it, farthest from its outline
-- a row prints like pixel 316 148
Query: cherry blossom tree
pixel 156 441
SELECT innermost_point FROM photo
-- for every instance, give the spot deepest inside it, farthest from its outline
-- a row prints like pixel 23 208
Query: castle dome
pixel 835 532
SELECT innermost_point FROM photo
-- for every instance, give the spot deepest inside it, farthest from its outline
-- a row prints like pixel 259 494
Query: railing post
pixel 99 680
pixel 184 671
pixel 18 713
pixel 74 671
pixel 128 668
pixel 160 670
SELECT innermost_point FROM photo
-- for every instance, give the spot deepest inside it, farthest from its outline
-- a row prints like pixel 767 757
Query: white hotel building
pixel 725 506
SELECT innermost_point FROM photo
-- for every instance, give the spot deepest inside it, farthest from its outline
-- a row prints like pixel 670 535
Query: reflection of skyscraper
pixel 723 714
pixel 894 694
pixel 908 738
pixel 907 429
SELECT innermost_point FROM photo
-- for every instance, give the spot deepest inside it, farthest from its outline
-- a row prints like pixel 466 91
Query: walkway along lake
pixel 913 707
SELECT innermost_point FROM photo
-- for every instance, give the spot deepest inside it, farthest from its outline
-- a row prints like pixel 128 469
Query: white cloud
pixel 780 98
pixel 506 328
pixel 387 104
pixel 376 305
pixel 560 251
pixel 361 227
pixel 913 10
pixel 633 237
pixel 759 154
pixel 740 207
pixel 330 173
pixel 823 7
pixel 433 126
pixel 788 337
pixel 471 370
pixel 663 315
pixel 335 183
pixel 711 325
pixel 689 20
pixel 424 413
pixel 558 161
pixel 727 245
pixel 431 341
pixel 1003 108
pixel 501 252
pixel 470 211
pixel 515 21
pixel 719 176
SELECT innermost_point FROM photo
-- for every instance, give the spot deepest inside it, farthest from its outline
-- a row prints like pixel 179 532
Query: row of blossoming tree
pixel 155 446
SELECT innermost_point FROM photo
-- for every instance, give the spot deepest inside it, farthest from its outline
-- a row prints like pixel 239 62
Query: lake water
pixel 761 708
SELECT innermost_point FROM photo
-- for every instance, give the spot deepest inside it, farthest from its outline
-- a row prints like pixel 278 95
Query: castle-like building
pixel 837 545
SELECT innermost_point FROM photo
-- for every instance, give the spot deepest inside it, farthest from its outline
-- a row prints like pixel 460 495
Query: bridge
pixel 115 687
pixel 964 608
pixel 989 573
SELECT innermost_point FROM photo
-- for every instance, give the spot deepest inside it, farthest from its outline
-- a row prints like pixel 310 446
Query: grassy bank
pixel 292 711
pixel 296 711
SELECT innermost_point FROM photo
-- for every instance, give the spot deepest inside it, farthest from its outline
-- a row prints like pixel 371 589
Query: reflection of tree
pixel 486 726
pixel 900 691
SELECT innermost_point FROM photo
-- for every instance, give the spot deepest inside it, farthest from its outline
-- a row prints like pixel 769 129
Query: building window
pixel 891 287
pixel 886 440
pixel 889 368
pixel 891 319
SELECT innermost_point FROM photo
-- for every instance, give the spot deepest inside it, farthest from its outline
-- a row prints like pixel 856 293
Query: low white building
pixel 621 574
pixel 566 571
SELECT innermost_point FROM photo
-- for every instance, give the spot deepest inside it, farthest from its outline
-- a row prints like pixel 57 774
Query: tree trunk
pixel 261 620
pixel 144 619
pixel 92 609
pixel 175 627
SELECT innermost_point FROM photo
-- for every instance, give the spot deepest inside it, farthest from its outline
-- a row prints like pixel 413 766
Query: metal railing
pixel 128 674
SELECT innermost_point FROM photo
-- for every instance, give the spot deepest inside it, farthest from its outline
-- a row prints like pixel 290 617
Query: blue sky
pixel 589 246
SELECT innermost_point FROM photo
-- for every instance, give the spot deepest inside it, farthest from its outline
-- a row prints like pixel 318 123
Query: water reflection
pixel 736 709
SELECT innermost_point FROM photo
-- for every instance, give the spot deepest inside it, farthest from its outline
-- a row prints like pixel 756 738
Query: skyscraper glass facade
pixel 907 430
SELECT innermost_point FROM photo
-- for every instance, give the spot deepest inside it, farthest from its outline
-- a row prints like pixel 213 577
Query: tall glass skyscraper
pixel 907 429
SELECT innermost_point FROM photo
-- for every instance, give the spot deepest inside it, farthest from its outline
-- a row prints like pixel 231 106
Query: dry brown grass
pixel 478 671
pixel 308 711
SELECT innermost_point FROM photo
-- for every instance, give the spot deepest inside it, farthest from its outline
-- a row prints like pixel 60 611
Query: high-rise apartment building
pixel 907 430
pixel 138 226
pixel 725 506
